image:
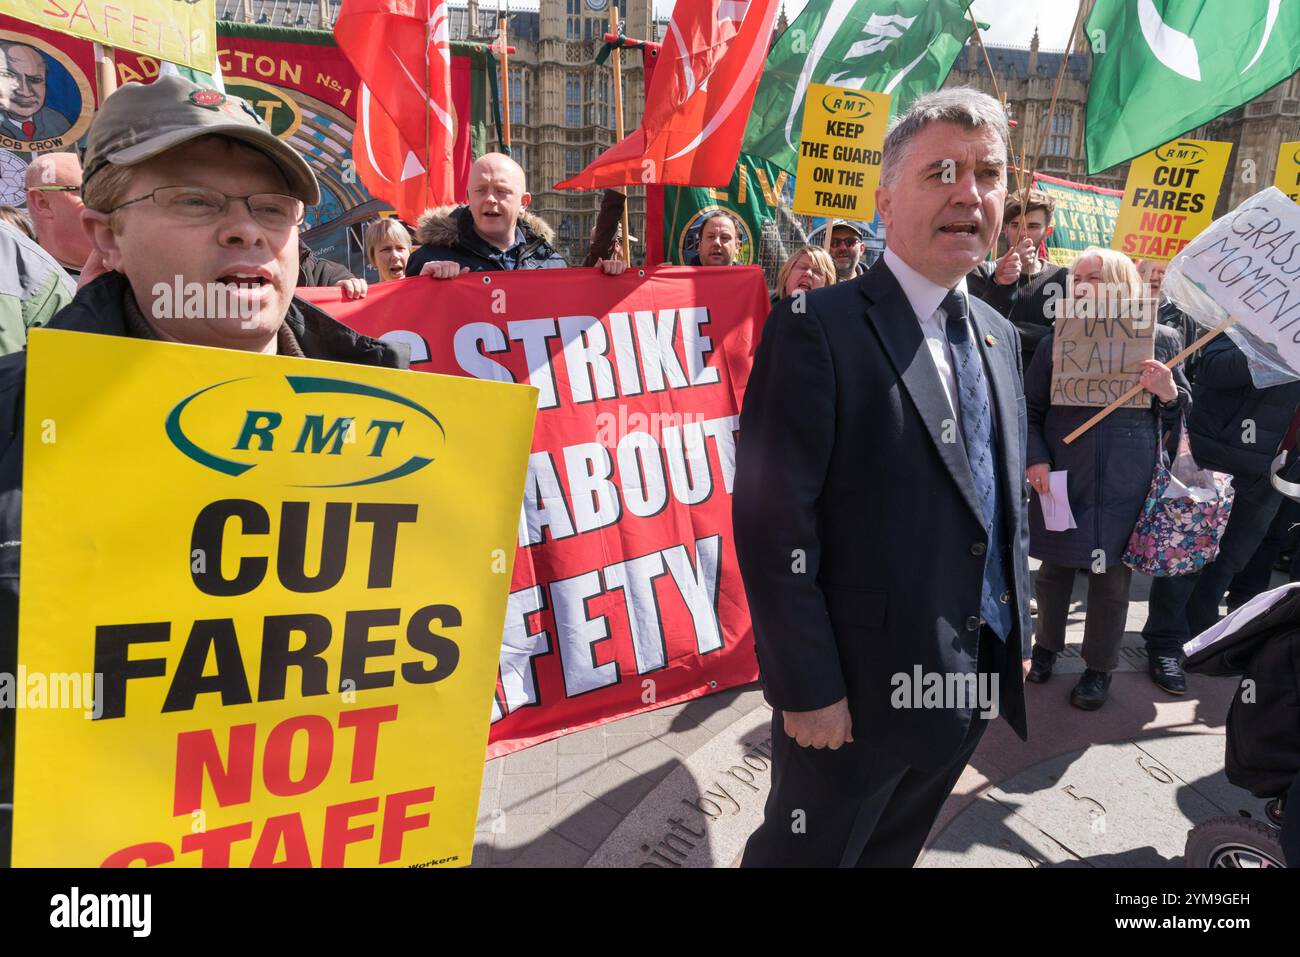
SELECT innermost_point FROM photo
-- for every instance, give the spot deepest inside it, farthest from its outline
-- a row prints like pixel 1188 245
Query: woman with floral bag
pixel 1108 475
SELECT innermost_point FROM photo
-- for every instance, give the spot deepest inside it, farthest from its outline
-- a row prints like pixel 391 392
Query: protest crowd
pixel 917 461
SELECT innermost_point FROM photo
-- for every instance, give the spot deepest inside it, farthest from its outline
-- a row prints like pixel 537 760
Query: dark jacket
pixel 608 220
pixel 315 271
pixel 1170 315
pixel 1227 401
pixel 858 531
pixel 447 234
pixel 1263 746
pixel 1027 302
pixel 98 308
pixel 1110 465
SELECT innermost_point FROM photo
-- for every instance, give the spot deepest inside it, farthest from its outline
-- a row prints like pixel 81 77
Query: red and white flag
pixel 698 102
pixel 406 123
pixel 389 169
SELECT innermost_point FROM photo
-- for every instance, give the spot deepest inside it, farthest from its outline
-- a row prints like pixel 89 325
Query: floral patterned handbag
pixel 1182 519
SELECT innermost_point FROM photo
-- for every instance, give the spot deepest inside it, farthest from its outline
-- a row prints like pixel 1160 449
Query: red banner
pixel 626 595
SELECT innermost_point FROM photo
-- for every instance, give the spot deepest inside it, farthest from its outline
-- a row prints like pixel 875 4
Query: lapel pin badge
pixel 989 340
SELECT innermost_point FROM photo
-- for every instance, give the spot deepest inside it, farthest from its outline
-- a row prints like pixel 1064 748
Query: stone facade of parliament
pixel 1027 75
pixel 562 107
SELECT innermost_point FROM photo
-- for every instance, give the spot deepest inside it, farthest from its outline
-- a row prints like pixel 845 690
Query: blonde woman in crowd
pixel 388 247
pixel 1109 471
pixel 808 268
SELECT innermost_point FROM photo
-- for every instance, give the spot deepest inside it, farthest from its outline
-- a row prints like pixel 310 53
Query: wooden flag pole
pixel 105 71
pixel 505 80
pixel 979 42
pixel 618 122
pixel 1001 97
pixel 1028 182
pixel 1137 388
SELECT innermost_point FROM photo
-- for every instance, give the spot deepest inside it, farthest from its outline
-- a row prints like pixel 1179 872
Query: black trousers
pixel 1183 607
pixel 813 820
pixel 1103 628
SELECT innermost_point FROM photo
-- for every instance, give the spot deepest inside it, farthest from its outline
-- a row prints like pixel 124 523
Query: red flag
pixel 388 167
pixel 401 49
pixel 699 100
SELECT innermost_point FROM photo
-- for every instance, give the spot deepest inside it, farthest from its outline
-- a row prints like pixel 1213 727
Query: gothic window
pixel 572 101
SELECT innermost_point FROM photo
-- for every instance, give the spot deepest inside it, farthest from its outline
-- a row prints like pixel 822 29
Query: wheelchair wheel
pixel 1233 842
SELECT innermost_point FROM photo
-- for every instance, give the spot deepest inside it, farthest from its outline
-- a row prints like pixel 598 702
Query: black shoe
pixel 1041 662
pixel 1090 693
pixel 1167 672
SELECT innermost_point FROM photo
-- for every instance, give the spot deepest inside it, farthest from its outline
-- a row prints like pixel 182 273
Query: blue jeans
pixel 1181 608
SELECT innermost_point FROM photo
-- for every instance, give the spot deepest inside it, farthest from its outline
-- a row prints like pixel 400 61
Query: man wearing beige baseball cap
pixel 194 206
pixel 190 198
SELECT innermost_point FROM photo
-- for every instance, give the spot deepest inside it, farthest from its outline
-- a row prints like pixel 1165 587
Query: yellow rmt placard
pixel 184 33
pixel 286 579
pixel 1288 171
pixel 839 152
pixel 1169 198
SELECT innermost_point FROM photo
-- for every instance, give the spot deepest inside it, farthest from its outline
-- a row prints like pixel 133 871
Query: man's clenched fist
pixel 1007 270
pixel 829 727
pixel 443 269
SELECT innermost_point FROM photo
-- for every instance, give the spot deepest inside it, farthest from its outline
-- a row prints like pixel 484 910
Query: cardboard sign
pixel 288 578
pixel 840 152
pixel 1248 262
pixel 184 33
pixel 1288 171
pixel 1169 198
pixel 1098 349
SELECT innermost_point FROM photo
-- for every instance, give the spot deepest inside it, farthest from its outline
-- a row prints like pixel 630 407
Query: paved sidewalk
pixel 684 785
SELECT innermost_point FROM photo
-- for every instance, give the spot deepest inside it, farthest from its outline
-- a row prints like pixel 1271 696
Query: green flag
pixel 903 47
pixel 1162 68
pixel 900 47
pixel 755 196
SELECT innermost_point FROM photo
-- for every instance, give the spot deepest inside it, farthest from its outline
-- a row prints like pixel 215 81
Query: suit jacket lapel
pixel 899 330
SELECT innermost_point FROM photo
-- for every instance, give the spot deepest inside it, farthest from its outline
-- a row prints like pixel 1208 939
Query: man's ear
pixel 37 201
pixel 102 234
pixel 525 200
pixel 884 205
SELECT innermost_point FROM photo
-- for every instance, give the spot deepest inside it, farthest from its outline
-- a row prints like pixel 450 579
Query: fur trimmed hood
pixel 439 226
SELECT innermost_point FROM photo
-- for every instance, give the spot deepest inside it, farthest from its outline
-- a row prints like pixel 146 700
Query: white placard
pixel 1248 263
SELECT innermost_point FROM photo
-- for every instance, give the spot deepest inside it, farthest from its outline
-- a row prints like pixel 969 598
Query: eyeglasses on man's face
pixel 58 189
pixel 199 205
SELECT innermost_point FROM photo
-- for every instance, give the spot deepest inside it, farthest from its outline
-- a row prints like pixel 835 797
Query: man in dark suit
pixel 880 511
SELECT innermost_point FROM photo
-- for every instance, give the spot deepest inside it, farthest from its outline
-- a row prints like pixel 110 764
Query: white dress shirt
pixel 926 298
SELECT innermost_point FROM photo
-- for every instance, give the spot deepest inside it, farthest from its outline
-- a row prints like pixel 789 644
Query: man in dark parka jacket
pixel 493 231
